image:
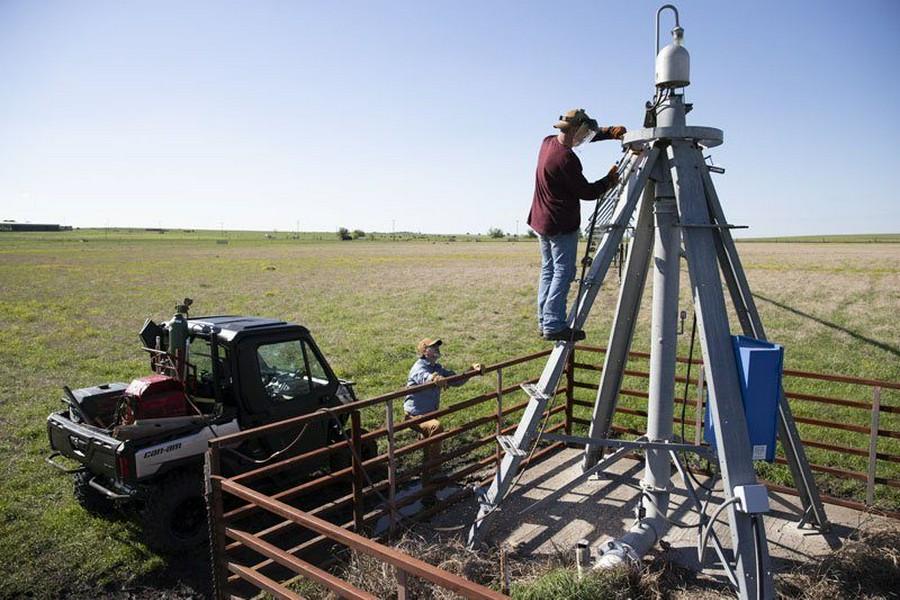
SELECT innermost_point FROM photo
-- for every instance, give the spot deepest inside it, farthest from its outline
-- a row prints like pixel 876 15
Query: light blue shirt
pixel 427 400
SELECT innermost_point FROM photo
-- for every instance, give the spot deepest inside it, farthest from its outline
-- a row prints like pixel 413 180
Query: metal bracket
pixel 620 548
pixel 533 391
pixel 507 442
pixel 639 444
pixel 652 488
pixel 710 226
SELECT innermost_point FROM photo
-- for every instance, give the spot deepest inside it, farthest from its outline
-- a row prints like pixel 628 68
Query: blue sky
pixel 427 115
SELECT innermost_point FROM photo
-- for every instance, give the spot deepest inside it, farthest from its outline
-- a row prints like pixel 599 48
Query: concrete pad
pixel 603 509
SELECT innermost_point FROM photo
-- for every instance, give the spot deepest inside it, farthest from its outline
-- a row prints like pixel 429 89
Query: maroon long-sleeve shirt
pixel 558 187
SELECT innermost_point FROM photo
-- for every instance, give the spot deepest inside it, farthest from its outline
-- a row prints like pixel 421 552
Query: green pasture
pixel 868 238
pixel 72 303
pixel 225 236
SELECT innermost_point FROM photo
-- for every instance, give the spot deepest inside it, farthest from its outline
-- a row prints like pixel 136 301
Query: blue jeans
pixel 558 253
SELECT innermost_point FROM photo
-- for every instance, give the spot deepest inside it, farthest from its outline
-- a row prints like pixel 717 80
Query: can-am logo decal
pixel 158 451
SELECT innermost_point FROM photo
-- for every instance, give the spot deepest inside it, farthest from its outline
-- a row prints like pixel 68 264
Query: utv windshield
pixel 289 370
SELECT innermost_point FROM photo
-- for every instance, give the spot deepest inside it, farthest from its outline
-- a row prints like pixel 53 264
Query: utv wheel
pixel 90 499
pixel 174 514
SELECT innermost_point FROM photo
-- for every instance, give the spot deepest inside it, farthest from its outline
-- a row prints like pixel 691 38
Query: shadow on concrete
pixel 604 508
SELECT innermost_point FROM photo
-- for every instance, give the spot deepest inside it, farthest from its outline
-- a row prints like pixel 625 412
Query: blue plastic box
pixel 759 367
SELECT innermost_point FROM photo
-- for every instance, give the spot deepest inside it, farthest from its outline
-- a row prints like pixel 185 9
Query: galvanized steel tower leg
pixel 752 569
pixel 622 330
pixel 752 326
pixel 609 244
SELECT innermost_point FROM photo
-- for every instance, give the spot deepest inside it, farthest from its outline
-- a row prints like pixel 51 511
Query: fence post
pixel 570 389
pixel 504 571
pixel 499 456
pixel 402 592
pixel 873 446
pixel 356 458
pixel 214 513
pixel 392 469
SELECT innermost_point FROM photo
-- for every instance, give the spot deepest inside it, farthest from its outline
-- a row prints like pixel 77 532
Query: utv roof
pixel 228 327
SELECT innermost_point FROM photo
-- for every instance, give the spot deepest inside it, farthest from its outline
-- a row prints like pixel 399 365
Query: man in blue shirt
pixel 427 369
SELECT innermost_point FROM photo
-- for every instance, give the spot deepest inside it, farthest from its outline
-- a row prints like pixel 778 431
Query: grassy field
pixel 869 238
pixel 72 304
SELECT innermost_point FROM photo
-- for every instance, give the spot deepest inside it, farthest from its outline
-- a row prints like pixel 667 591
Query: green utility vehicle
pixel 144 442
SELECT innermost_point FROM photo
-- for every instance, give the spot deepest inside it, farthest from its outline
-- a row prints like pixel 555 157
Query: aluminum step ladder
pixel 619 202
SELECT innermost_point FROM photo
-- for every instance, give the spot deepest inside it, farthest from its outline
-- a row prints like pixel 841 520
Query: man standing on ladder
pixel 556 214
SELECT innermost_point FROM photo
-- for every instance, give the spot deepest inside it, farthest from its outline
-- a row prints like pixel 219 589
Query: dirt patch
pixel 184 577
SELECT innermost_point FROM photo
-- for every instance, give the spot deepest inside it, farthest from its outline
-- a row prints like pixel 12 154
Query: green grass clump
pixel 564 584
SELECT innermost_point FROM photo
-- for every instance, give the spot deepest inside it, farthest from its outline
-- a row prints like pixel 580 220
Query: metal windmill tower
pixel 666 185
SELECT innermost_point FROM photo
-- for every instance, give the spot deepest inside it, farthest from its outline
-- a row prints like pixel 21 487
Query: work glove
pixel 612 178
pixel 616 132
pixel 439 380
pixel 478 367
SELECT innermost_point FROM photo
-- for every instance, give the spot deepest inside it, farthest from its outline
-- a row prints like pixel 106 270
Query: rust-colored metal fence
pixel 287 531
pixel 849 426
pixel 269 529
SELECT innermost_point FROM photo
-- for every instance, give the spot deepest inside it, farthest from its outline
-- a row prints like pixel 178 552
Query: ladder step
pixel 509 445
pixel 533 391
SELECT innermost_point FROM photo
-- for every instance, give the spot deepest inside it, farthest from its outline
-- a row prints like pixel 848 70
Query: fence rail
pixel 264 538
pixel 864 422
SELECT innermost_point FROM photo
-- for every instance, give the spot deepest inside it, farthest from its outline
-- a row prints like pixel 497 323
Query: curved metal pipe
pixel 659 12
